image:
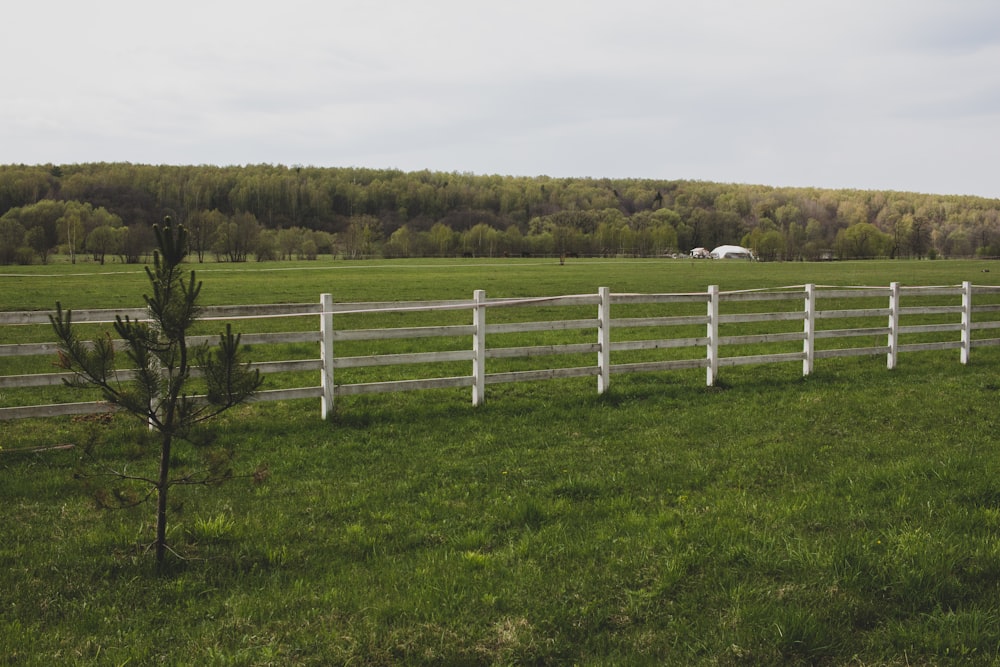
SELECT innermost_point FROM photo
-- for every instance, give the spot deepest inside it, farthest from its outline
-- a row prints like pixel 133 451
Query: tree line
pixel 274 212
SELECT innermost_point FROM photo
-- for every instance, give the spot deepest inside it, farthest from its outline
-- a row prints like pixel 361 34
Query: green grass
pixel 850 517
pixel 92 286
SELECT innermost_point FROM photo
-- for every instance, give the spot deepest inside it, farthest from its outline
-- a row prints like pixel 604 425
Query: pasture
pixel 850 517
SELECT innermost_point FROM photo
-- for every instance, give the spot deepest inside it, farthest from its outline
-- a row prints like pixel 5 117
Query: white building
pixel 731 252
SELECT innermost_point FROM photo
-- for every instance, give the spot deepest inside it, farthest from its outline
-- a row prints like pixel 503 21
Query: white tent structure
pixel 731 252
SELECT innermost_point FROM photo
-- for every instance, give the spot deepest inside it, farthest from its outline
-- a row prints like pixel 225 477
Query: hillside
pixel 274 211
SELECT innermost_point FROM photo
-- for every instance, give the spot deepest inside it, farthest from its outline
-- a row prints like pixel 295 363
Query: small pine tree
pixel 158 390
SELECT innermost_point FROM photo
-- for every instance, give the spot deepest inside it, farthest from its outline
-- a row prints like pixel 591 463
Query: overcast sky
pixel 869 94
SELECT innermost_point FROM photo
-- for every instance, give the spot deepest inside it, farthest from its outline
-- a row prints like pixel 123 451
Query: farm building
pixel 731 252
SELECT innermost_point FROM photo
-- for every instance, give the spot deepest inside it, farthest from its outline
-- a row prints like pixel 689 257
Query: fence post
pixel 326 354
pixel 966 321
pixel 479 347
pixel 713 335
pixel 603 339
pixel 809 342
pixel 893 326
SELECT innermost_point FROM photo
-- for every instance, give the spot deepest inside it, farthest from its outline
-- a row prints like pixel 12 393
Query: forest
pixel 105 211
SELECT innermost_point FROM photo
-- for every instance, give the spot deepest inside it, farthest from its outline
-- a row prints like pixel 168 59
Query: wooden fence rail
pixel 680 340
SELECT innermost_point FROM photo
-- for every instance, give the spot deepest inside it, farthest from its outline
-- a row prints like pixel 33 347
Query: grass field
pixel 90 286
pixel 850 517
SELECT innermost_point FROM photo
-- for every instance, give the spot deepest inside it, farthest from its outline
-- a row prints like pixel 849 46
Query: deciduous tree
pixel 862 241
pixel 11 240
pixel 101 242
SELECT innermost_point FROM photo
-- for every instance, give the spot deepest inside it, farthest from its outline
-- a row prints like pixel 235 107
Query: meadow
pixel 850 517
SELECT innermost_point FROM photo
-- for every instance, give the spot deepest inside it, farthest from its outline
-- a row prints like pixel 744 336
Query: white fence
pixel 686 331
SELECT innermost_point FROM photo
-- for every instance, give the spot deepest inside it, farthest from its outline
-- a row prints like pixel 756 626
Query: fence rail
pixel 850 314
